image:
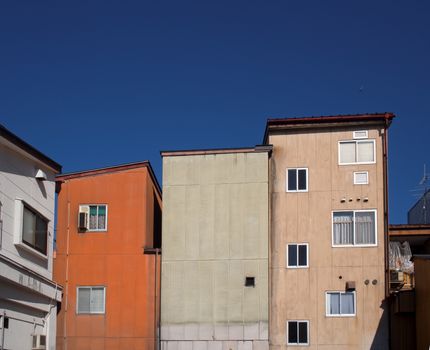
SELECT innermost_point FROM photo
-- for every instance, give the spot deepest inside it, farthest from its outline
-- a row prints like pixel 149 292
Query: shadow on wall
pixel 381 339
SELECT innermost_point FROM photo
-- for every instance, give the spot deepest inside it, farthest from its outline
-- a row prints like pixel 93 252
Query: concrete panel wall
pixel 215 234
pixel 299 294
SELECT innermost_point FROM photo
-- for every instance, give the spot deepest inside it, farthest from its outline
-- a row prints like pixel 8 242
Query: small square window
pixel 361 178
pixel 298 333
pixel 92 217
pixel 297 180
pixel 297 255
pixel 249 281
pixel 340 304
pixel 90 300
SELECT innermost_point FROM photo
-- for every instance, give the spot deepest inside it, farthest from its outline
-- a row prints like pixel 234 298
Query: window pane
pixel 93 217
pixel 365 227
pixel 41 234
pixel 302 179
pixel 292 332
pixel 334 303
pixel 365 151
pixel 84 300
pixel 28 227
pixel 347 303
pixel 343 228
pixel 102 217
pixel 292 180
pixel 347 152
pixel 303 332
pixel 303 259
pixel 97 299
pixel 292 255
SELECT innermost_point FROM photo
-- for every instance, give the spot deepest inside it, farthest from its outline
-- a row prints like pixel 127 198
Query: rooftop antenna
pixel 423 184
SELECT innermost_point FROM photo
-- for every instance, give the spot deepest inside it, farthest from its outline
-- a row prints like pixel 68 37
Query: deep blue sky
pixel 97 83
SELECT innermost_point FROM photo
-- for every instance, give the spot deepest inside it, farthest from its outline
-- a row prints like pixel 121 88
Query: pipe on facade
pixel 66 297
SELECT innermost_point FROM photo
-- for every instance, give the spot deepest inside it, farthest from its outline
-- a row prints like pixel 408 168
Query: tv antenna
pixel 422 193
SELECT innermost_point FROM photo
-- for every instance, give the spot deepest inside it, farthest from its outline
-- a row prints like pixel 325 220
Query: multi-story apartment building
pixel 28 295
pixel 108 245
pixel 215 249
pixel 328 239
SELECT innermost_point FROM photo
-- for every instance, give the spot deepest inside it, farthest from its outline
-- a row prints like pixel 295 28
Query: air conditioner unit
pixel 83 217
pixel 39 342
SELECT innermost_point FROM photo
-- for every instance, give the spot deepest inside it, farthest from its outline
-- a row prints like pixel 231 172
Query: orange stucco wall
pixel 113 259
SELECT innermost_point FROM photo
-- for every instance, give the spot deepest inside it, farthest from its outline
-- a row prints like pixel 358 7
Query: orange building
pixel 108 240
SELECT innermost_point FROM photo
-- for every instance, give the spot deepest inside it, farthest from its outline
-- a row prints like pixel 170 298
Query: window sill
pixel 342 316
pixel 354 245
pixel 357 163
pixel 297 267
pixel 31 250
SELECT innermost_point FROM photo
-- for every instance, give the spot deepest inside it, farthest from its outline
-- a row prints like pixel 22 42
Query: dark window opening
pixel 250 282
pixel 6 322
pixel 157 224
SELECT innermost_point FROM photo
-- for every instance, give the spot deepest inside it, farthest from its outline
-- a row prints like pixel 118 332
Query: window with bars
pixel 354 228
pixel 90 300
pixel 357 152
pixel 297 255
pixel 297 180
pixel 340 304
pixel 298 332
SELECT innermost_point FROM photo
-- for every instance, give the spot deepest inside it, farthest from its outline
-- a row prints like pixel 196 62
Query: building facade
pixel 28 295
pixel 108 246
pixel 215 250
pixel 328 199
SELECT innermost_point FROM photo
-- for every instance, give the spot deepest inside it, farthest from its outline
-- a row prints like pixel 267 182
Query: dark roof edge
pixel 325 121
pixel 194 152
pixel 408 227
pixel 111 169
pixel 11 137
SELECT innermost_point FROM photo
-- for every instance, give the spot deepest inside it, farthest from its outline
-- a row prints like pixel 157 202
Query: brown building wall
pixel 422 292
pixel 299 294
pixel 114 259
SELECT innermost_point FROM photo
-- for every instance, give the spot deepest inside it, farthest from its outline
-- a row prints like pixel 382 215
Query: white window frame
pixel 297 180
pixel 97 205
pixel 307 256
pixel 356 142
pixel 355 133
pixel 361 172
pixel 307 329
pixel 327 304
pixel 90 312
pixel 354 245
pixel 19 225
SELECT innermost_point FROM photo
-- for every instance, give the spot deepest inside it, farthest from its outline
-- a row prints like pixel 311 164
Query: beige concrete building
pixel 328 198
pixel 215 249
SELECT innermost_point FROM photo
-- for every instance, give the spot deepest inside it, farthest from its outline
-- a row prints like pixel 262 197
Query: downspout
pixel 2 330
pixel 386 233
pixel 66 307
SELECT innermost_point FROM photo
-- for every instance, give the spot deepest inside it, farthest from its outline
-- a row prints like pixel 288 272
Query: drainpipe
pixel 66 302
pixel 2 330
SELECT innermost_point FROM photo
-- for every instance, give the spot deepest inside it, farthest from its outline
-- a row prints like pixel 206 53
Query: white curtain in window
pixel 97 299
pixel 334 303
pixel 347 152
pixel 365 151
pixel 347 303
pixel 365 227
pixel 84 300
pixel 343 228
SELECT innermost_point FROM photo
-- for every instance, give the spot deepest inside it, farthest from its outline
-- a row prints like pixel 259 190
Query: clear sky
pixel 99 83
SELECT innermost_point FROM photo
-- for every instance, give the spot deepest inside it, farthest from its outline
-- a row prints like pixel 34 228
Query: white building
pixel 28 296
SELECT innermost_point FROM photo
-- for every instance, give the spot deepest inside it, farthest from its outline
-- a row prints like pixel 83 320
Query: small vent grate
pixel 249 281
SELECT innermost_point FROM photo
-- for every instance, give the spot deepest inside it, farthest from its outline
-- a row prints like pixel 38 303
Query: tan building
pixel 215 249
pixel 328 198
